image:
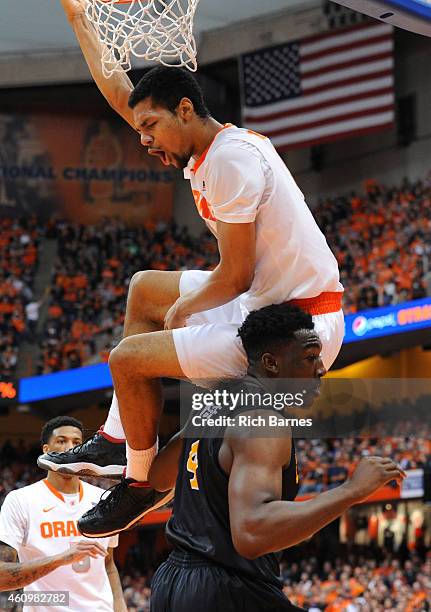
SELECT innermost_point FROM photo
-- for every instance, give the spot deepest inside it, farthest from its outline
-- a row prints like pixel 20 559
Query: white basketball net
pixel 156 30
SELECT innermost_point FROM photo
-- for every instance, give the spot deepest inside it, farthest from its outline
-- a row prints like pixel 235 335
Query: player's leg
pixel 137 364
pixel 151 294
pixel 330 328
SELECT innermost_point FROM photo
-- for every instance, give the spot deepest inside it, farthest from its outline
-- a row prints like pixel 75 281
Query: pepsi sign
pixel 388 320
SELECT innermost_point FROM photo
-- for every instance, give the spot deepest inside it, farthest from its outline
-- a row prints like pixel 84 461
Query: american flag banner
pixel 335 85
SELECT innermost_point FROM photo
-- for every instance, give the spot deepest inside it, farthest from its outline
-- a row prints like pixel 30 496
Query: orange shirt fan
pixel 156 30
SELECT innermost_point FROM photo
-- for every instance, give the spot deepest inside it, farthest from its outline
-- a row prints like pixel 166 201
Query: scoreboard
pixel 9 390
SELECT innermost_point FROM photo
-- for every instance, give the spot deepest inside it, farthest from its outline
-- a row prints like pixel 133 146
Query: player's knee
pixel 121 357
pixel 143 282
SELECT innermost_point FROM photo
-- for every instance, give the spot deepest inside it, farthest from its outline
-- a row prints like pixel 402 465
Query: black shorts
pixel 188 583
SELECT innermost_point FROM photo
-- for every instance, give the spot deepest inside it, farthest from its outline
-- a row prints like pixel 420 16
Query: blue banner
pixel 379 322
pixel 420 8
pixel 79 380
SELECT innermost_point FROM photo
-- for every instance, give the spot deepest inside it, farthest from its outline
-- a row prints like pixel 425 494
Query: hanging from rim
pixel 155 30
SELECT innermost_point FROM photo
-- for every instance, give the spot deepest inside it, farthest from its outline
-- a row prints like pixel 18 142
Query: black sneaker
pixel 121 507
pixel 97 456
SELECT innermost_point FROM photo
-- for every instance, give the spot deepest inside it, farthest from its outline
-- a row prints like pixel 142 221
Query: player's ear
pixel 270 363
pixel 185 109
pixel 45 448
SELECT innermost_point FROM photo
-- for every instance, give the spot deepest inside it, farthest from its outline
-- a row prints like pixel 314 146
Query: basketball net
pixel 155 30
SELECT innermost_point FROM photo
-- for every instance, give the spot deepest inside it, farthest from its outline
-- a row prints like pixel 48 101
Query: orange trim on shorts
pixel 326 302
pixel 204 154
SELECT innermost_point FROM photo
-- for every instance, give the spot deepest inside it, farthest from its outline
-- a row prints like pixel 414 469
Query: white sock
pixel 139 461
pixel 113 426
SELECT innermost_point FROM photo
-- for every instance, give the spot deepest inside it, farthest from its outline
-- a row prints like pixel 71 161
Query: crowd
pixel 20 241
pixel 352 579
pixel 90 278
pixel 359 581
pixel 401 430
pixel 381 239
pixel 353 583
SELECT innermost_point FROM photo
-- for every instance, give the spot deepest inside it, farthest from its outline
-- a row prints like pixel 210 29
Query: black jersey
pixel 200 520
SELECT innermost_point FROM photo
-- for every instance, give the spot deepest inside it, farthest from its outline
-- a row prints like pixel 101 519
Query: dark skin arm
pixel 118 88
pixel 233 275
pixel 260 522
pixel 114 581
pixel 15 575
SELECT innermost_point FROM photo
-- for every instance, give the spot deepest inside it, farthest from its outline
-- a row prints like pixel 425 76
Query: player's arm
pixel 114 581
pixel 233 275
pixel 15 575
pixel 235 187
pixel 164 469
pixel 261 523
pixel 116 89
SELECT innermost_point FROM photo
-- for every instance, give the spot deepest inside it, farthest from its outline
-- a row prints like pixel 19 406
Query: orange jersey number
pixel 192 465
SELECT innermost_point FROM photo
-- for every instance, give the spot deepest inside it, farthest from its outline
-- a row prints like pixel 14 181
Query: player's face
pixel 63 439
pixel 166 135
pixel 300 359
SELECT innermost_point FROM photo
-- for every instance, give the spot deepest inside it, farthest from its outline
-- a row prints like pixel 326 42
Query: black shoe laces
pixel 111 497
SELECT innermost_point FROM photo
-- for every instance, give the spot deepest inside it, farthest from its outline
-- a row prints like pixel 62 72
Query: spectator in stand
pixel 381 238
pixel 19 243
pixel 382 242
pixel 365 580
pixel 89 284
pixel 32 310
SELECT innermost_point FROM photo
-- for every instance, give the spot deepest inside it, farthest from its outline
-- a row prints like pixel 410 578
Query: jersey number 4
pixel 192 465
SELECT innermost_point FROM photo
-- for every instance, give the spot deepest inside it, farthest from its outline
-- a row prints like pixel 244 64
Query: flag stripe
pixel 344 127
pixel 315 140
pixel 339 40
pixel 352 49
pixel 336 60
pixel 346 73
pixel 310 102
pixel 295 119
pixel 350 64
pixel 324 87
pixel 341 116
pixel 327 86
pixel 268 119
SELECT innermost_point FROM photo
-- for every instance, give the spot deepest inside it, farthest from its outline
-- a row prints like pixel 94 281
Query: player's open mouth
pixel 160 154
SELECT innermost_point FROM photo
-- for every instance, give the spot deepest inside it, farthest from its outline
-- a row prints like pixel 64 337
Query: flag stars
pixel 272 75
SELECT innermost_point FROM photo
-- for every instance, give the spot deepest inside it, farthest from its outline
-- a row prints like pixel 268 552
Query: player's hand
pixel 82 549
pixel 73 8
pixel 371 474
pixel 176 315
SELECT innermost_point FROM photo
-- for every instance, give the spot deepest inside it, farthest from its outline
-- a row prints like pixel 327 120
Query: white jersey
pixel 39 521
pixel 241 178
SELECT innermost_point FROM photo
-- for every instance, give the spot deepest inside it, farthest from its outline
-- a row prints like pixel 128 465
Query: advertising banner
pixel 396 319
pixel 82 168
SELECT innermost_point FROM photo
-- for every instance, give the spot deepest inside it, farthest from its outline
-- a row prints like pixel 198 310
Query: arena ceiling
pixel 36 26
